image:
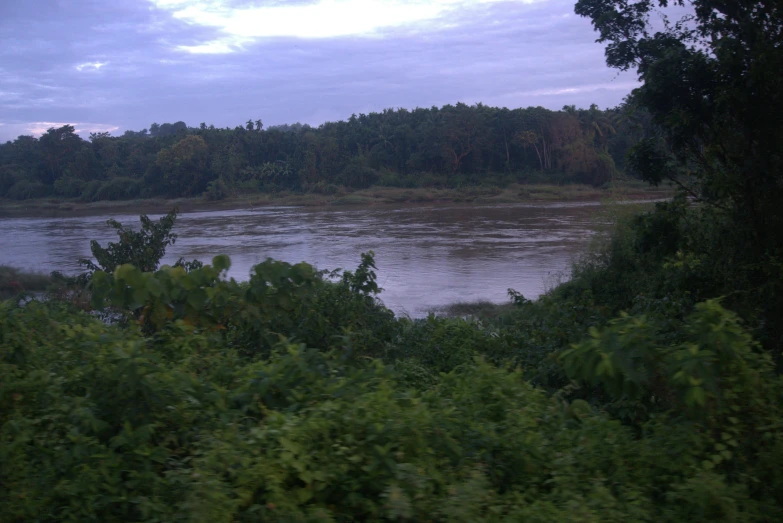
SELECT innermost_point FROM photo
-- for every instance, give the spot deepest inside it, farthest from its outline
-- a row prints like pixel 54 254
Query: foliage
pixel 118 188
pixel 634 362
pixel 441 344
pixel 344 311
pixel 450 146
pixel 69 187
pixel 26 189
pixel 711 85
pixel 103 423
pixel 216 190
pixel 14 281
pixel 279 299
pixel 143 248
pixel 662 263
pixel 184 166
pixel 90 190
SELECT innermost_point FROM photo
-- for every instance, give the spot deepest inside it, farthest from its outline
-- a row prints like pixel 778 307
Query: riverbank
pixel 482 309
pixel 15 280
pixel 628 190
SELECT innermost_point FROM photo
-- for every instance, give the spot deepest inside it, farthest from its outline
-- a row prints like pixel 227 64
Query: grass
pixel 476 309
pixel 514 193
pixel 560 192
pixel 14 281
pixel 353 199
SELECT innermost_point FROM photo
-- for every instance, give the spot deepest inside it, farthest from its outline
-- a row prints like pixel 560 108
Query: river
pixel 428 256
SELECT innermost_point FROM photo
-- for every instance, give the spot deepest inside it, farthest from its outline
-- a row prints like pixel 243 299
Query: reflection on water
pixel 427 256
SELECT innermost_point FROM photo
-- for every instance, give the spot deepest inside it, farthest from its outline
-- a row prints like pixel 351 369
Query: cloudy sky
pixel 123 64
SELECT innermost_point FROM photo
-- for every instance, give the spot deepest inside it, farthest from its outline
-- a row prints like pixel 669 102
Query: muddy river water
pixel 427 256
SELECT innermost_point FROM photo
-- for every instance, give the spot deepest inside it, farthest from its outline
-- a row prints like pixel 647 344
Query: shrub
pixel 248 187
pixel 9 175
pixel 324 188
pixel 442 344
pixel 357 174
pixel 14 281
pixel 69 187
pixel 180 426
pixel 216 190
pixel 118 189
pixel 143 248
pixel 91 190
pixel 278 298
pixel 26 189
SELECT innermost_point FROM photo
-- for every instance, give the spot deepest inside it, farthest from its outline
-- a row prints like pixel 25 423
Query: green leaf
pixel 140 295
pixel 197 298
pixel 154 287
pixel 221 262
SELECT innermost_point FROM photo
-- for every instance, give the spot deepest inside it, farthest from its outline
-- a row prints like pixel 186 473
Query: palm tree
pixel 597 126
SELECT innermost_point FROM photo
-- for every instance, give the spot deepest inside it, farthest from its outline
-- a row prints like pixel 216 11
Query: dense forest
pixel 439 147
pixel 648 387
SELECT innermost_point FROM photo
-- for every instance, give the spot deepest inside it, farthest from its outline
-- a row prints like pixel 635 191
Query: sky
pixel 123 64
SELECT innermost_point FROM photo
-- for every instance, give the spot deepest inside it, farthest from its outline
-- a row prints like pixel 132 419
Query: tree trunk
pixel 540 160
pixel 508 156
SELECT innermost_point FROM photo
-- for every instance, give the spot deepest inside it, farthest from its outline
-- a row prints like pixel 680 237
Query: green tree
pixel 463 133
pixel 185 166
pixel 712 84
pixel 143 248
pixel 58 147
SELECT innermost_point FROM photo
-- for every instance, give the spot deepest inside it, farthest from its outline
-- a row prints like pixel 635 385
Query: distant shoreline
pixel 373 196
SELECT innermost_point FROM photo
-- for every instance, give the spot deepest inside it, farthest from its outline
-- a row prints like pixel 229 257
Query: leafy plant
pixel 143 249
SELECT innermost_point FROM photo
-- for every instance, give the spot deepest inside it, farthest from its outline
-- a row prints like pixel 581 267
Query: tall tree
pixel 463 133
pixel 58 147
pixel 712 83
pixel 185 166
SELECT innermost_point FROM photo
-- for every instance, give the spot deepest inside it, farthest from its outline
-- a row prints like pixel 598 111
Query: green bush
pixel 118 189
pixel 91 190
pixel 103 423
pixel 279 298
pixel 9 175
pixel 357 174
pixel 14 281
pixel 26 189
pixel 442 344
pixel 324 188
pixel 216 190
pixel 143 248
pixel 69 187
pixel 248 187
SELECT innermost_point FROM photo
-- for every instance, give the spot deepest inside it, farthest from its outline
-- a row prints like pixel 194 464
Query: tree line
pixel 437 147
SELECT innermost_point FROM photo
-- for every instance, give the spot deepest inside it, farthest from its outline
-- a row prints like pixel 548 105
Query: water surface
pixel 427 256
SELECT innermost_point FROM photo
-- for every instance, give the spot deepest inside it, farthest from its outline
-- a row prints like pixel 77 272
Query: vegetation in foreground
pixel 646 388
pixel 14 281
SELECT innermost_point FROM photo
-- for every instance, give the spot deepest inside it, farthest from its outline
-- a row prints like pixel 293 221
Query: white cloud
pixel 81 128
pixel 318 19
pixel 91 66
pixel 611 86
pixel 213 47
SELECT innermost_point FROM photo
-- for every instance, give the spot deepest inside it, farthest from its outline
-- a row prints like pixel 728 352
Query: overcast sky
pixel 112 65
